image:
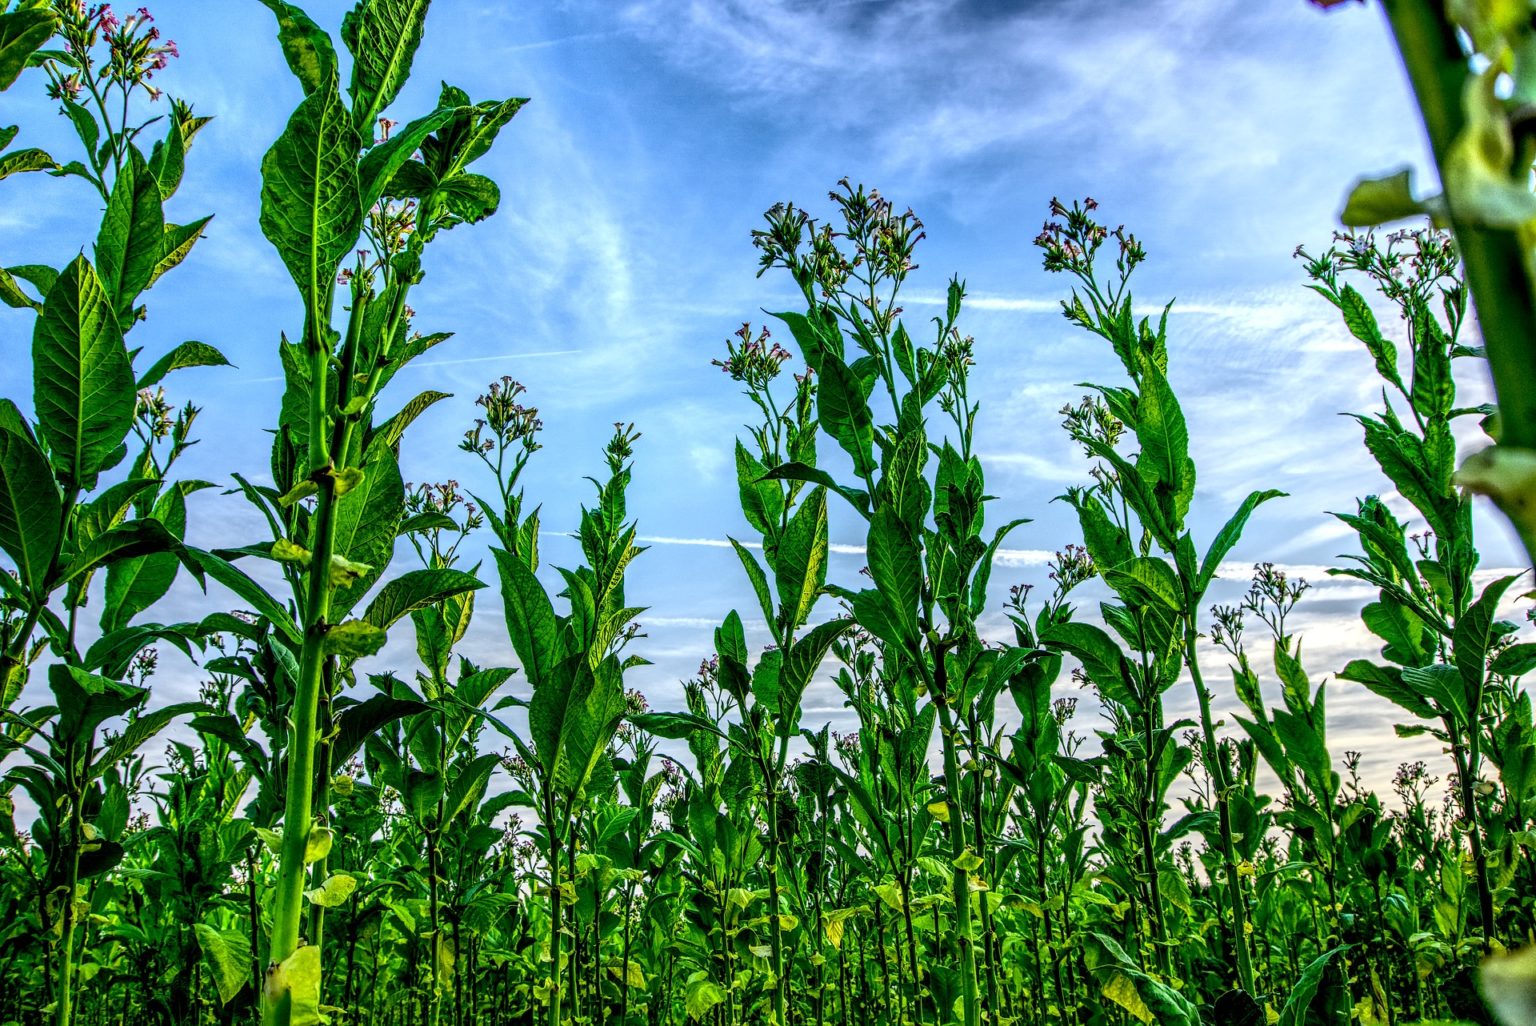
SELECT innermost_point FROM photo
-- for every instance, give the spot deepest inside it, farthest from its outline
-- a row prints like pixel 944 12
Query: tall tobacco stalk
pixel 927 558
pixel 337 498
pixel 575 663
pixel 59 522
pixel 1139 505
pixel 1441 634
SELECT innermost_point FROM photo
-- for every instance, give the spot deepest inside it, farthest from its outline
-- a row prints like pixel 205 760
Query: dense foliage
pixel 444 843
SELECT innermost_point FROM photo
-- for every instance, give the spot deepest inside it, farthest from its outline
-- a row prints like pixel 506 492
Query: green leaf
pixel 1164 436
pixel 367 522
pixel 22 33
pixel 140 731
pixel 383 36
pixel 1387 681
pixel 757 577
pixel 895 562
pixel 176 241
pixel 1147 999
pixel 800 559
pixel 415 589
pixel 1473 634
pixel 800 665
pixel 126 540
pixel 793 471
pixel 701 994
pixel 813 338
pixel 228 955
pixel 530 617
pixel 188 354
pixel 382 163
pixel 1228 537
pixel 13 295
pixel 135 584
pixel 845 415
pixel 334 892
pixel 31 511
pixel 1095 649
pixel 1361 323
pixel 354 639
pixel 1374 201
pixel 1147 578
pixel 984 566
pixel 236 580
pixel 1294 1011
pixel 467 787
pixel 21 161
pixel 311 203
pixel 306 47
pixel 762 501
pixel 470 198
pixel 356 723
pixel 130 241
pixel 83 388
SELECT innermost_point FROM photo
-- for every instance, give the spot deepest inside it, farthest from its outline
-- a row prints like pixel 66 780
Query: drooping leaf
pixel 293 986
pixel 306 46
pixel 30 508
pixel 228 956
pixel 415 589
pixel 22 33
pixel 334 892
pixel 383 36
pixel 187 354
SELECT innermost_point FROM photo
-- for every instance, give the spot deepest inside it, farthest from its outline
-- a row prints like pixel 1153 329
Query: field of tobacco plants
pixel 322 838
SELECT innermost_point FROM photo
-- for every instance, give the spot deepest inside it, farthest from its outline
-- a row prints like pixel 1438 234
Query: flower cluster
pixel 621 447
pixel 755 362
pixel 1091 421
pixel 509 421
pixel 1071 240
pixel 1272 595
pixel 134 49
pixel 1070 567
pixel 1409 268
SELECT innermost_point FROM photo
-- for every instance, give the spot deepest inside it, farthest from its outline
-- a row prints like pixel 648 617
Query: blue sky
pixel 660 130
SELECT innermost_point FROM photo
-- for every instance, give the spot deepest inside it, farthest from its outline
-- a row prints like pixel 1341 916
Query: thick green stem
pixel 1467 765
pixel 65 991
pixel 960 878
pixel 556 925
pixel 288 908
pixel 1499 270
pixel 1216 767
pixel 775 932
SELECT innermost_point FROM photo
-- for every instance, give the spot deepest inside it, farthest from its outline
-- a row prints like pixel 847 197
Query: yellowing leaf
pixel 968 861
pixel 319 844
pixel 939 811
pixel 1121 989
pixel 335 891
pixel 294 987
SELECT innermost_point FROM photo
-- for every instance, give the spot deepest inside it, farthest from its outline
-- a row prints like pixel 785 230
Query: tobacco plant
pixel 927 558
pixel 574 663
pixel 1137 507
pixel 1449 657
pixel 332 193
